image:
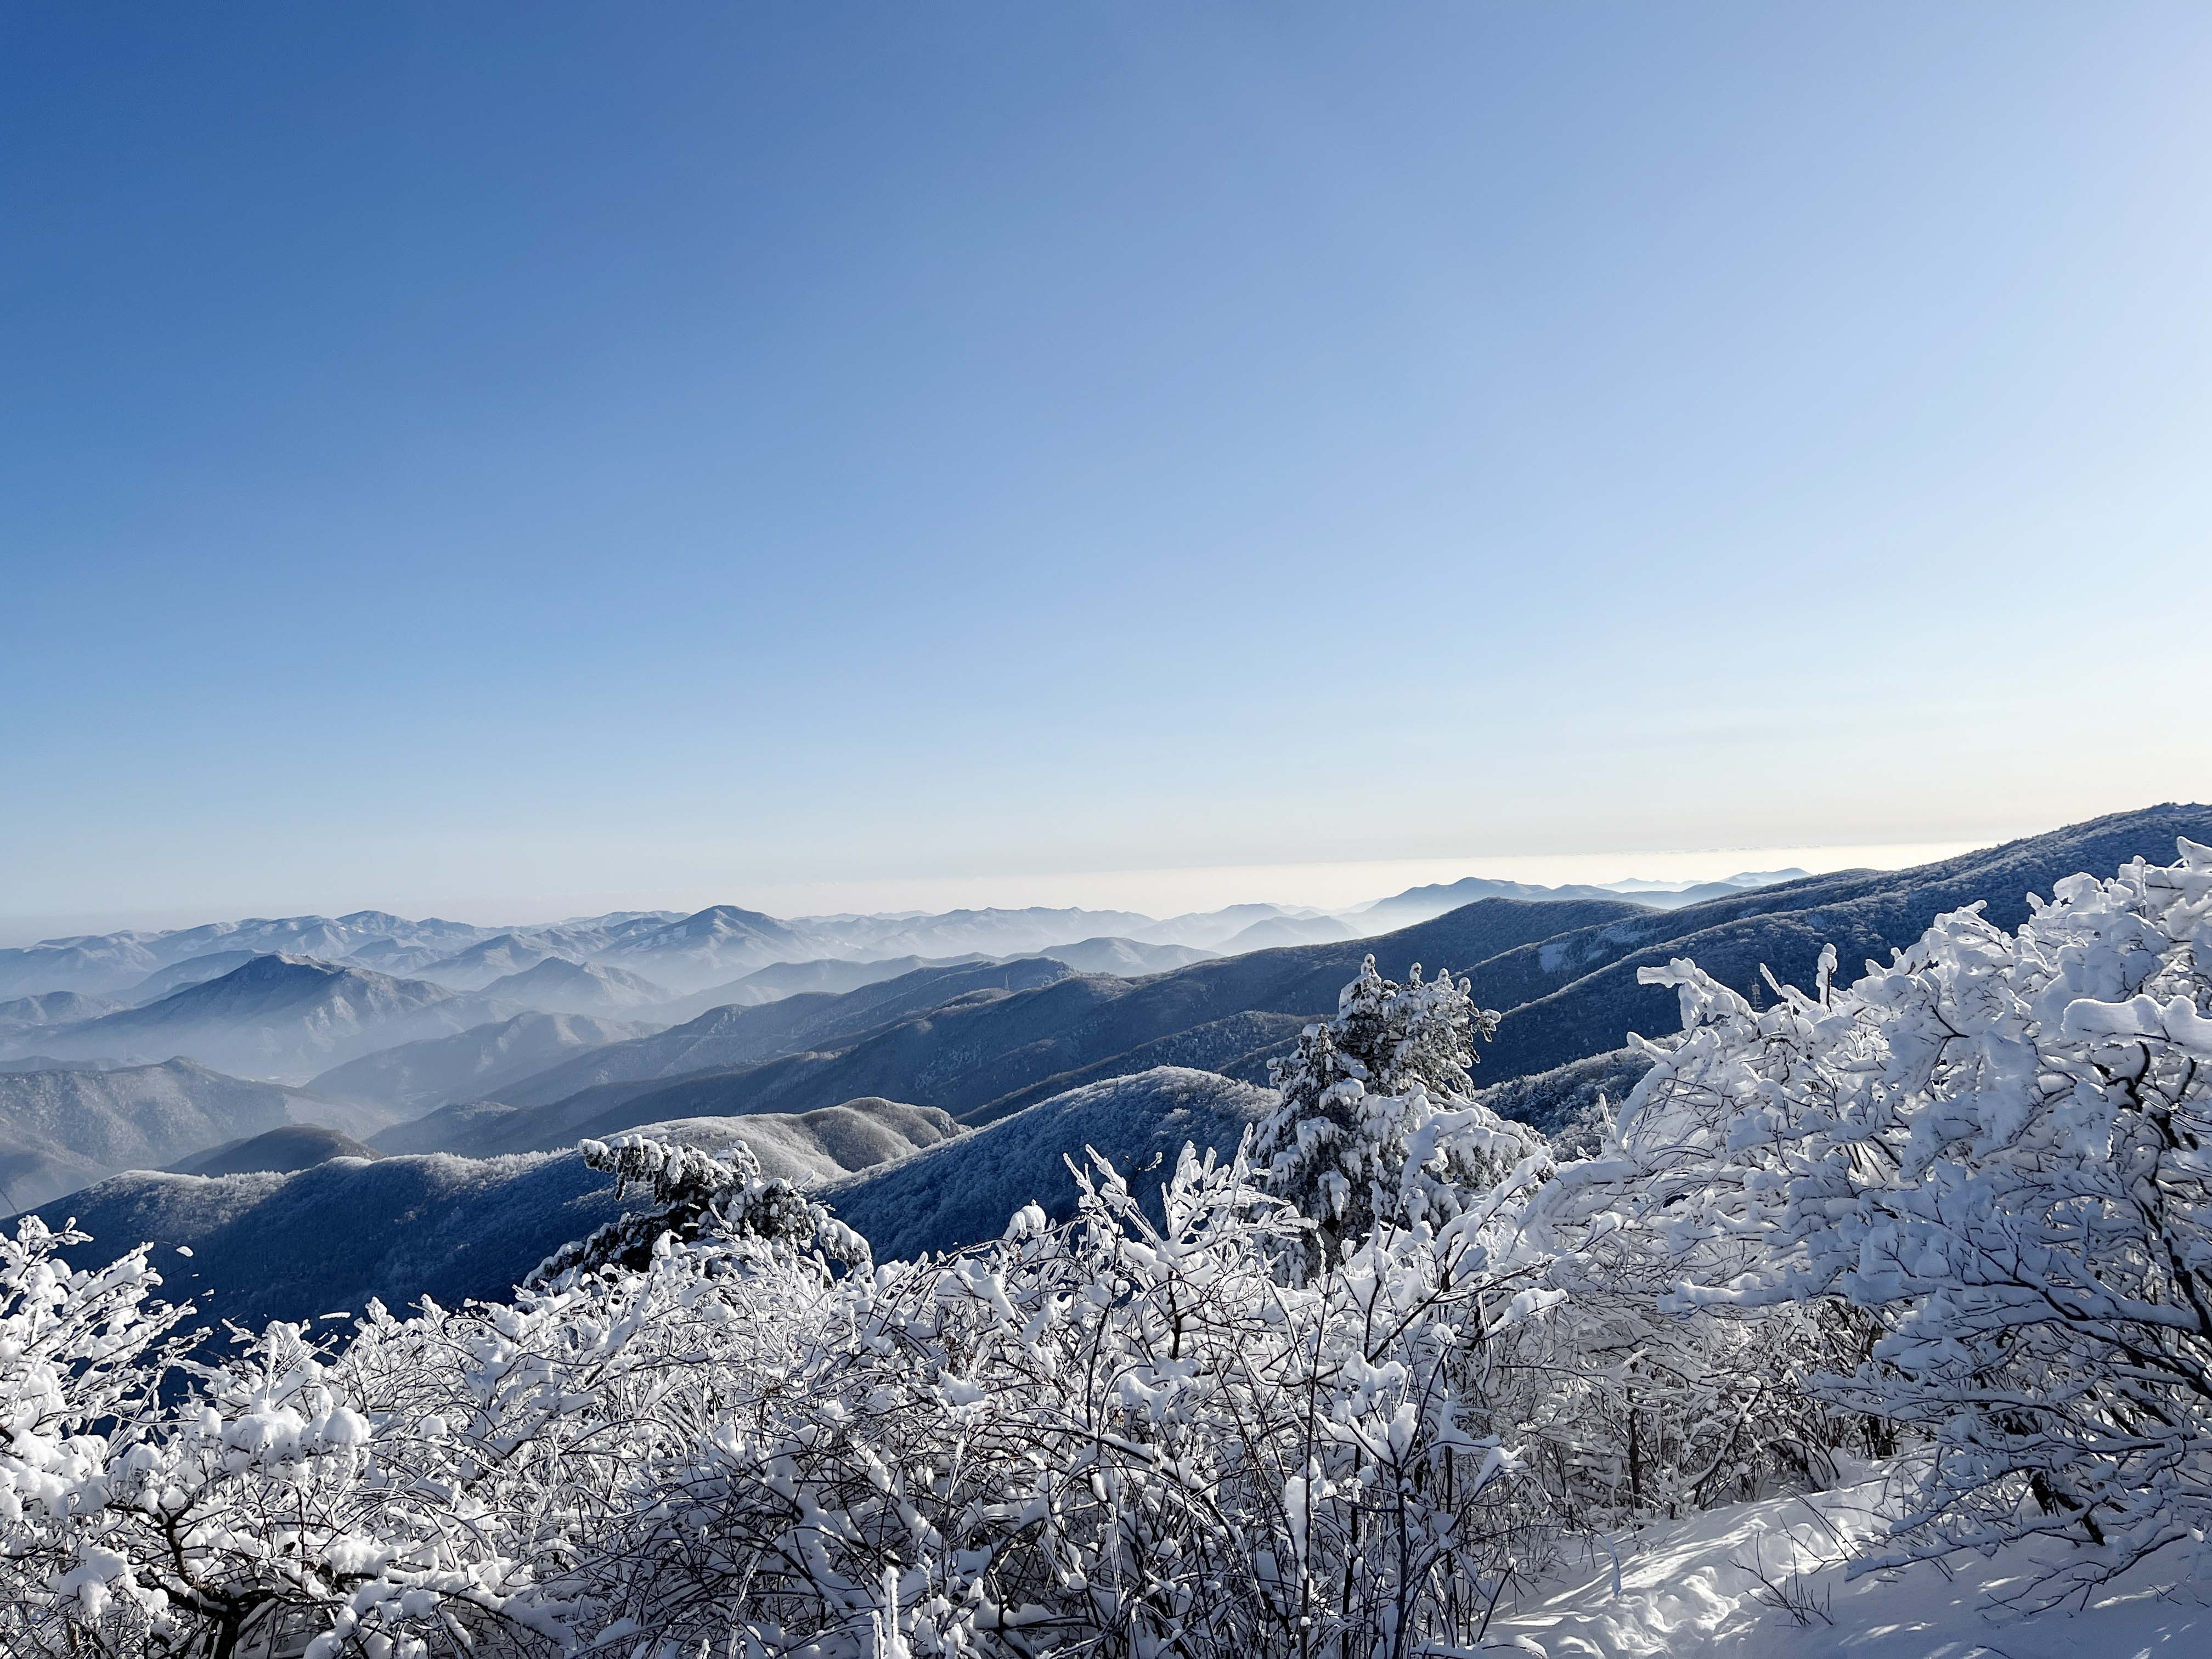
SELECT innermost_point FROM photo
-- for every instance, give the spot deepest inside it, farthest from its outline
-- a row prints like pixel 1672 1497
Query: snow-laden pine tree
pixel 694 1195
pixel 1375 1124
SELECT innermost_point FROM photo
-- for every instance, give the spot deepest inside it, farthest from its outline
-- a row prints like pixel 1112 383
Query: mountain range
pixel 1562 971
pixel 61 1130
pixel 588 1093
pixel 982 1057
pixel 281 1016
pixel 723 943
pixel 933 1101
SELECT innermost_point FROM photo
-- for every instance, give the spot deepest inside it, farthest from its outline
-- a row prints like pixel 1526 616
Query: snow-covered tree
pixel 694 1195
pixel 1375 1123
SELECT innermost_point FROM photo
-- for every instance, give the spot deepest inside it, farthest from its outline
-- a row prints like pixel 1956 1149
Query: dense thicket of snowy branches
pixel 1956 1211
pixel 1985 1165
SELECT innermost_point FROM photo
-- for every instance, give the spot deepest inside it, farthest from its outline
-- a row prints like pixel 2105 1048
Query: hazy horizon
pixel 1159 893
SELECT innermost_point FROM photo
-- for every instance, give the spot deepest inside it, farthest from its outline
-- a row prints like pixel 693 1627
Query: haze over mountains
pixel 921 1063
pixel 61 1130
pixel 284 1017
pixel 559 986
pixel 416 1077
pixel 294 999
pixel 929 1090
pixel 689 953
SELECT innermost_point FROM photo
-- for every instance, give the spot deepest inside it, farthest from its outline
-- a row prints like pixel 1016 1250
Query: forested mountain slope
pixel 63 1130
pixel 1575 995
pixel 728 1036
pixel 978 1062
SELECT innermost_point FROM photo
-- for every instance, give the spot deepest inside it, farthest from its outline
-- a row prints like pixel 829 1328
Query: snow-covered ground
pixel 1715 1585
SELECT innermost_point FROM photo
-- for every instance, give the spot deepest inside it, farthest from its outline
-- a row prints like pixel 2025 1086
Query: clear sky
pixel 474 457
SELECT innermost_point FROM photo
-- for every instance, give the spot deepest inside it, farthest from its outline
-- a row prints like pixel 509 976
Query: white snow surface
pixel 1694 1588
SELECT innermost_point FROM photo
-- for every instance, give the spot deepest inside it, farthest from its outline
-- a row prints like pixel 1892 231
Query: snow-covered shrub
pixel 1995 1149
pixel 1375 1123
pixel 1118 1436
pixel 1111 1434
pixel 82 1355
pixel 694 1195
pixel 1664 1406
pixel 454 1481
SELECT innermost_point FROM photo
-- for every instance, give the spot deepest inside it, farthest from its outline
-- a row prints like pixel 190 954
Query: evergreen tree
pixel 1376 1125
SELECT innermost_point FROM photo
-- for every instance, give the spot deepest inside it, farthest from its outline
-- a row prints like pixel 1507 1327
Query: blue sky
pixel 484 458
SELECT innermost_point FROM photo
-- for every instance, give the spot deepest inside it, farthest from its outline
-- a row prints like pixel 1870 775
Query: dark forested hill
pixel 1575 995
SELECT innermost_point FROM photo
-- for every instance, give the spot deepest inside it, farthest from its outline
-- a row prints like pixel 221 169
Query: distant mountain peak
pixel 728 916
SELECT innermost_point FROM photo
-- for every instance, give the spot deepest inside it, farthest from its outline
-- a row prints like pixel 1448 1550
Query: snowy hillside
pixel 963 1192
pixel 814 1147
pixel 295 1245
pixel 64 1130
pixel 297 1147
pixel 192 970
pixel 24 1017
pixel 1575 993
pixel 1772 1580
pixel 1868 1320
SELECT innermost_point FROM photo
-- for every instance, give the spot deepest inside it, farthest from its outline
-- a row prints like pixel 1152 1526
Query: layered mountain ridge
pixel 933 1100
